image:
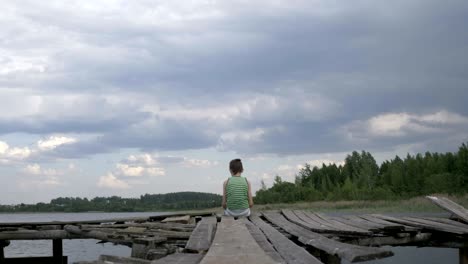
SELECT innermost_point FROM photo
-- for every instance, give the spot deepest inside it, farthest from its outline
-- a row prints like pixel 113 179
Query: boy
pixel 237 194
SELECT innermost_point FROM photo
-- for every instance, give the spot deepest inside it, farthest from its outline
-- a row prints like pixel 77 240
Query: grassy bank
pixel 418 204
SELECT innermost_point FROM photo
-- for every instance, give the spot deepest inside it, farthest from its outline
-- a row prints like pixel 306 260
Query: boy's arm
pixel 224 194
pixel 249 193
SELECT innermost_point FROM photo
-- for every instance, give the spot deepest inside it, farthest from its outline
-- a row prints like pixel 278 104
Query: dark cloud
pixel 349 61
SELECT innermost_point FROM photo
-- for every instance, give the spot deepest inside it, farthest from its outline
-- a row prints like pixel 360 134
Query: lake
pixel 87 249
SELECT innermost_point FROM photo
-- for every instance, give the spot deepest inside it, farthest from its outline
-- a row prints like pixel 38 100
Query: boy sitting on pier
pixel 237 194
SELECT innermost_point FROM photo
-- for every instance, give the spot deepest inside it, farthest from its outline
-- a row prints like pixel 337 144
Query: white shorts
pixel 237 212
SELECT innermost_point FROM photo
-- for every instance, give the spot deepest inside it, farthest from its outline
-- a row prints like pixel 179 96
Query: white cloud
pixel 8 154
pixel 404 124
pixel 35 169
pixel 54 142
pixel 110 181
pixel 47 178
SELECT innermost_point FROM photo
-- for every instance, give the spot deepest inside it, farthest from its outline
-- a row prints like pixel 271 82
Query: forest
pixel 146 203
pixel 361 178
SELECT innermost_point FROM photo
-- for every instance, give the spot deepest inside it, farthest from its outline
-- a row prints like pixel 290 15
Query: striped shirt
pixel 236 193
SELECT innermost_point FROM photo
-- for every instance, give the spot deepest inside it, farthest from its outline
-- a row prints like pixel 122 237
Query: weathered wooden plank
pixel 233 244
pixel 343 225
pixel 101 235
pixel 201 237
pixel 36 235
pixel 180 258
pixel 438 224
pixel 447 221
pixel 289 251
pixel 291 216
pixel 356 220
pixel 63 223
pixel 184 219
pixel 156 225
pixel 349 252
pixel 310 218
pixel 191 213
pixel 418 224
pixel 123 260
pixel 390 225
pixel 393 241
pixel 262 241
pixel 332 225
pixel 171 234
pixel 33 260
pixel 449 205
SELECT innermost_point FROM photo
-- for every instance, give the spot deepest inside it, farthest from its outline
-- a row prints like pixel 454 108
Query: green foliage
pixel 147 202
pixel 362 179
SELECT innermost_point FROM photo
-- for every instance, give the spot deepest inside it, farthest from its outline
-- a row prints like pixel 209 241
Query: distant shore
pixel 417 204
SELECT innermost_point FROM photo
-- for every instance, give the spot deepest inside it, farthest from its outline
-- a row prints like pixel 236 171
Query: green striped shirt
pixel 236 193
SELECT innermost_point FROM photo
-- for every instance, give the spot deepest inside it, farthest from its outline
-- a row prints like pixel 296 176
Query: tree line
pixel 361 178
pixel 147 202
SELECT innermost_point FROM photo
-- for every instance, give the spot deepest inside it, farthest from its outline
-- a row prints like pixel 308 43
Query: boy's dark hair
pixel 236 166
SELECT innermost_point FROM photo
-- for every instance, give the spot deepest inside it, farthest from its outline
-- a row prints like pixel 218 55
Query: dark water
pixel 410 255
pixel 87 249
pixel 76 249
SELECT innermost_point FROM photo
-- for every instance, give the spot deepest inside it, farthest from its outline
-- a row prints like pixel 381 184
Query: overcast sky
pixel 108 97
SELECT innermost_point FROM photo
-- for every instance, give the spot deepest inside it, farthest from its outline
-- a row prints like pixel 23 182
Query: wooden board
pixel 310 218
pixel 421 224
pixel 349 252
pixel 447 204
pixel 184 219
pixel 289 251
pixel 356 220
pixel 201 237
pixel 293 217
pixel 179 258
pixel 233 244
pixel 262 241
pixel 447 221
pixel 36 235
pixel 332 226
pixel 390 225
pixel 125 260
pixel 343 226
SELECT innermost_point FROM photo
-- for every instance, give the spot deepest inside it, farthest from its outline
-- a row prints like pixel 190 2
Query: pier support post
pixel 463 255
pixel 57 249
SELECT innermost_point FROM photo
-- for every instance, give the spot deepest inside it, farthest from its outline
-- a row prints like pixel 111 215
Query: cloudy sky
pixel 124 98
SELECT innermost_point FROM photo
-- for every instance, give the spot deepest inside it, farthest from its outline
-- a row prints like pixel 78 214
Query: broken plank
pixel 289 251
pixel 349 252
pixel 202 235
pixel 449 205
pixel 233 244
pixel 180 258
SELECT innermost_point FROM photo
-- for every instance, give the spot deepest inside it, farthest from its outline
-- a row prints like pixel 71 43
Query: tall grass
pixel 417 204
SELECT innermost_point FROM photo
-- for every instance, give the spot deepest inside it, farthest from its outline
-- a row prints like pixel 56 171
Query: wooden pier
pixel 286 236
